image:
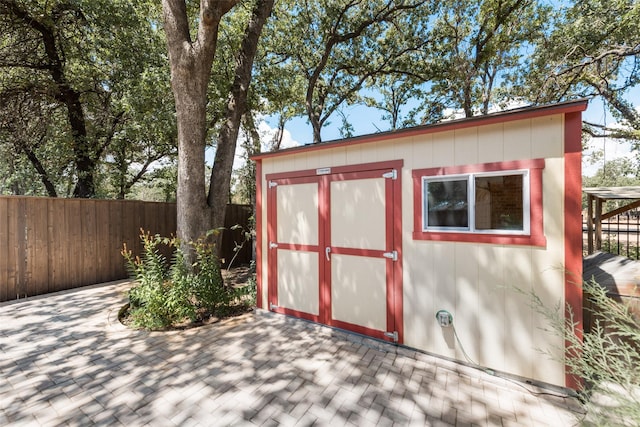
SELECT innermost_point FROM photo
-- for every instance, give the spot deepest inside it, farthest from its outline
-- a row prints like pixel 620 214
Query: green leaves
pixel 168 294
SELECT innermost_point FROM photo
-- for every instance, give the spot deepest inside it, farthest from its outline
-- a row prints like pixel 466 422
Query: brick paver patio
pixel 65 360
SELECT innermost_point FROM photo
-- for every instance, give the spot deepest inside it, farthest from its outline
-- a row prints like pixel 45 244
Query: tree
pixel 191 62
pixel 78 69
pixel 474 46
pixel 593 51
pixel 337 46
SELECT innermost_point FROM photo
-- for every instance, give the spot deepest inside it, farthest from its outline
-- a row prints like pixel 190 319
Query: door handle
pixel 326 252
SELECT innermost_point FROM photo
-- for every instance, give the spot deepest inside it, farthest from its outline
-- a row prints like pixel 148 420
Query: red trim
pixel 297 313
pixel 393 237
pixel 573 229
pixel 373 253
pixel 298 247
pixel 363 330
pixel 483 167
pixel 536 236
pixel 272 253
pixel 489 119
pixel 391 164
pixel 259 278
pixel 272 221
pixel 325 239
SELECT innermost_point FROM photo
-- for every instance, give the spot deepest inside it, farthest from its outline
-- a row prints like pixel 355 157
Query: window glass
pixel 499 202
pixel 447 203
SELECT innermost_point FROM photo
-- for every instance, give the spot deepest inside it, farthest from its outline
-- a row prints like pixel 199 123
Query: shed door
pixel 294 247
pixel 361 253
pixel 334 250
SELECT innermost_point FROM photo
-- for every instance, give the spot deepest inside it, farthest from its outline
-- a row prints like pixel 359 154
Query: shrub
pixel 607 358
pixel 167 294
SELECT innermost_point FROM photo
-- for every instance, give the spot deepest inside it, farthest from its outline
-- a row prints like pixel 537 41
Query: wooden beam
pixel 621 210
pixel 598 224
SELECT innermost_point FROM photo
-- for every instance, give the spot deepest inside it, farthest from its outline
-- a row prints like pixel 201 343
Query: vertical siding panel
pixel 421 154
pixel 354 155
pixel 444 295
pixel 518 337
pixel 300 162
pixel 385 151
pixel 517 140
pixel 466 146
pixel 466 319
pixel 491 143
pixel 443 149
pixel 420 296
pixel 491 304
pixel 547 139
pixel 4 250
pixel 339 157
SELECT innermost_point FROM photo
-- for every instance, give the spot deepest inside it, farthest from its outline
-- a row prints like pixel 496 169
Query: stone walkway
pixel 65 360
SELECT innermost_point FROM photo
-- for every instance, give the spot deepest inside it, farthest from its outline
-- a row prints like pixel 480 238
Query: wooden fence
pixel 49 244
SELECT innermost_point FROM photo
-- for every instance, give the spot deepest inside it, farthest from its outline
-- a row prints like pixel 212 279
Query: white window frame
pixel 471 195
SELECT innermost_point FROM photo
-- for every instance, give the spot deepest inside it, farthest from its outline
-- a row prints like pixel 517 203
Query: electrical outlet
pixel 445 319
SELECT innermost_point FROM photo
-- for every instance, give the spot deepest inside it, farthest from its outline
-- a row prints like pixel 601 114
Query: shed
pixel 418 235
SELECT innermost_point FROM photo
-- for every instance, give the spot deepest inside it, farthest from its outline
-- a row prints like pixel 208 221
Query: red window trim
pixel 536 236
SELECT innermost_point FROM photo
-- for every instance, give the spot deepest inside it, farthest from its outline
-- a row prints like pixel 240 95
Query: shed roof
pixel 613 193
pixel 487 119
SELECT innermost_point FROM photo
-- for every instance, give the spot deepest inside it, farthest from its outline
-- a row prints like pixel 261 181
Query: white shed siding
pixel 484 286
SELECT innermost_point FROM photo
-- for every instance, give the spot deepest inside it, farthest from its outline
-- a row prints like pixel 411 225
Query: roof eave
pixel 499 117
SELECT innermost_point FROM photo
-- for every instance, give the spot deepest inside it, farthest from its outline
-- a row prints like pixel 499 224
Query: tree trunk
pixel 237 105
pixel 190 72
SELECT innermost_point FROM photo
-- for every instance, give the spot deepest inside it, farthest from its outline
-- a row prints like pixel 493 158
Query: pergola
pixel 600 195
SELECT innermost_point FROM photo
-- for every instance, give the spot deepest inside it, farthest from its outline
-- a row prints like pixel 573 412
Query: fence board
pixel 103 254
pixel 117 237
pixel 4 250
pixel 49 244
pixel 236 215
pixel 58 249
pixel 37 260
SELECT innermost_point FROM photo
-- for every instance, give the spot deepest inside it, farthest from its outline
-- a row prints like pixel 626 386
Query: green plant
pixel 161 296
pixel 606 358
pixel 170 293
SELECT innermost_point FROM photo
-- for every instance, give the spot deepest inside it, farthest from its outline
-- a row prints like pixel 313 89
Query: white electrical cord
pixel 490 371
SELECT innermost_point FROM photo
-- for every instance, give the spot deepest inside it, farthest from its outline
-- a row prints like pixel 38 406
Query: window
pixel 493 203
pixel 476 202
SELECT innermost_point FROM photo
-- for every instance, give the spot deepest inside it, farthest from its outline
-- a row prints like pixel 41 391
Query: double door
pixel 334 248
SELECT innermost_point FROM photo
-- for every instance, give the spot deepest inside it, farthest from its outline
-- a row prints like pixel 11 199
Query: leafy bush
pixel 607 358
pixel 167 294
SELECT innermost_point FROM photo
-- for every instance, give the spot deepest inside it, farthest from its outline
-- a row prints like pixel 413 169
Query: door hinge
pixel 273 245
pixel 393 335
pixel 393 174
pixel 393 255
pixel 272 184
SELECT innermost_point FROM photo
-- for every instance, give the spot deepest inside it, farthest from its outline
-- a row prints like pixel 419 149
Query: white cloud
pixel 267 134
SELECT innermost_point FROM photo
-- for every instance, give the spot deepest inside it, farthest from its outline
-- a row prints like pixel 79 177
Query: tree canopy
pixel 88 108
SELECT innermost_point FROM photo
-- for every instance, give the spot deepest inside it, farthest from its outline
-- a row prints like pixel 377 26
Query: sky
pixel 367 120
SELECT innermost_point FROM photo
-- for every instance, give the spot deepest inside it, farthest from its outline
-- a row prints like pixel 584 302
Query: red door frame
pixel 324 177
pixel 272 272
